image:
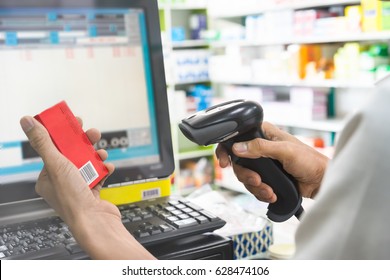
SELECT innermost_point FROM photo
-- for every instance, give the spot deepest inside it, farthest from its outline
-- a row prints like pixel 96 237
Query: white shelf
pixel 335 125
pixel 179 7
pixel 334 38
pixel 195 154
pixel 265 6
pixel 309 4
pixel 190 44
pixel 314 83
pixel 189 82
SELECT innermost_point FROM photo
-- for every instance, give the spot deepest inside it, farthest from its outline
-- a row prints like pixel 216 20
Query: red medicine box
pixel 70 139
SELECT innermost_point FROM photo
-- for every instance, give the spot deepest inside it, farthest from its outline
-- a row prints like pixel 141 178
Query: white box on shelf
pixel 283 112
pixel 228 68
pixel 177 105
pixel 250 93
pixel 307 96
pixel 190 65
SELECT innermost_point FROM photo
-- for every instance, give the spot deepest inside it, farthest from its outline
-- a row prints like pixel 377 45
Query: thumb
pixel 39 138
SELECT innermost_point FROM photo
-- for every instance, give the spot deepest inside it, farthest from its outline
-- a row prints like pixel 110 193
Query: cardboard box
pixel 252 245
pixel 376 15
pixel 70 139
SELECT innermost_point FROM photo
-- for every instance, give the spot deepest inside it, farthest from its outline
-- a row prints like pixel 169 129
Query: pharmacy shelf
pixel 190 44
pixel 196 154
pixel 182 83
pixel 330 125
pixel 307 4
pixel 301 83
pixel 331 38
pixel 183 6
pixel 260 7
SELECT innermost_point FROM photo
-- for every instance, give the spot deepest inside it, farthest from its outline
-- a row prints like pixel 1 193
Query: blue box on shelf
pixel 178 34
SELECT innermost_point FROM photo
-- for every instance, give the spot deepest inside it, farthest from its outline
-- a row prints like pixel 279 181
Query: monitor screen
pixel 104 58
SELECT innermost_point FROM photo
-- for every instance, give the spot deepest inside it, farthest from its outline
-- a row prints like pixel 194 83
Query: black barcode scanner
pixel 237 121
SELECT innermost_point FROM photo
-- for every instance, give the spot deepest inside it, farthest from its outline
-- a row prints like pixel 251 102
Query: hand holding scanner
pixel 238 121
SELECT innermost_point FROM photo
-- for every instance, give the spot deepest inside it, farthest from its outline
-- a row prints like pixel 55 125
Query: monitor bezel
pixel 23 190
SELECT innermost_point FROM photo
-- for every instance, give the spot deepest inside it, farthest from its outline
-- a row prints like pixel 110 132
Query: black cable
pixel 299 212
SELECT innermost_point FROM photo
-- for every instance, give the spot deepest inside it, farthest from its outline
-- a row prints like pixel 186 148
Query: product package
pixel 70 139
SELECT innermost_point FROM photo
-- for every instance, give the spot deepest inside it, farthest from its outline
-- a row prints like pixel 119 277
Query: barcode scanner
pixel 238 121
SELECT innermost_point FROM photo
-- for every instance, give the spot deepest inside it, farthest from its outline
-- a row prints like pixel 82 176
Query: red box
pixel 72 142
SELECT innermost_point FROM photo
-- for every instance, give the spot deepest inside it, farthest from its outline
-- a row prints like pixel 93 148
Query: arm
pixel 304 163
pixel 95 223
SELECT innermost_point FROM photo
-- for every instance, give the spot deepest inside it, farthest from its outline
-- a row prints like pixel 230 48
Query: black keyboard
pixel 164 219
pixel 150 222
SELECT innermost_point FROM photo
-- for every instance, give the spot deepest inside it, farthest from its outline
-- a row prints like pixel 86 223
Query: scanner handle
pixel 272 173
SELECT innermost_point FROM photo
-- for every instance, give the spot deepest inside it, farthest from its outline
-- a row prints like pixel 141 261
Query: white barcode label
pixel 152 193
pixel 89 172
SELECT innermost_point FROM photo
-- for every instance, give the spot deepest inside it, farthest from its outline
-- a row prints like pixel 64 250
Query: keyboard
pixel 150 222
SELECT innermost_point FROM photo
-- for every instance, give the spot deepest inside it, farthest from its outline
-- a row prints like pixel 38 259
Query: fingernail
pixel 241 147
pixel 27 123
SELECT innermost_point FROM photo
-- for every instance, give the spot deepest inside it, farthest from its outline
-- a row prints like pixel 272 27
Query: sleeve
pixel 349 219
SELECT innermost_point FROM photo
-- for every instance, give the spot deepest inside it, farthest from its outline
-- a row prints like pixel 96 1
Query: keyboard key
pixel 136 218
pixel 202 219
pixel 183 216
pixel 147 215
pixel 177 212
pixel 172 218
pixel 187 210
pixel 164 215
pixel 185 223
pixel 165 228
pixel 173 202
pixel 209 216
pixel 193 206
pixel 194 214
pixel 155 230
pixel 74 248
pixel 145 225
pixel 170 208
pixel 141 233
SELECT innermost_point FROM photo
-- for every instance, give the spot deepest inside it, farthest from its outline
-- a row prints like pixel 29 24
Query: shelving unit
pixel 300 83
pixel 333 125
pixel 347 94
pixel 253 7
pixel 334 38
pixel 174 15
pixel 190 44
pixel 237 11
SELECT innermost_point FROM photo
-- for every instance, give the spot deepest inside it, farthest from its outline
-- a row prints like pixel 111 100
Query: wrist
pixel 103 236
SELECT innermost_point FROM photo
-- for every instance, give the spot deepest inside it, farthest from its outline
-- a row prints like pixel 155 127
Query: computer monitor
pixel 104 58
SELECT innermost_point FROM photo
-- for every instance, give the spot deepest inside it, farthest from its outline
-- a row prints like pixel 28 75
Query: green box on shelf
pixel 385 16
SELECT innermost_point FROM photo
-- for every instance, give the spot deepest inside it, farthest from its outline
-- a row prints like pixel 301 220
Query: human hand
pixel 95 224
pixel 60 182
pixel 303 162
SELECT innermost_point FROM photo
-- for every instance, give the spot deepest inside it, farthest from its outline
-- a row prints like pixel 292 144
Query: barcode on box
pixel 89 172
pixel 152 193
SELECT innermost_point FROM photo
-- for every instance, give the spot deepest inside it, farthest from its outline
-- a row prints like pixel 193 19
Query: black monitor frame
pixel 25 190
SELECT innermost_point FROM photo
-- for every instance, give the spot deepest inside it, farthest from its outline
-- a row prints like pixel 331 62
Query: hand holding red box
pixel 70 139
